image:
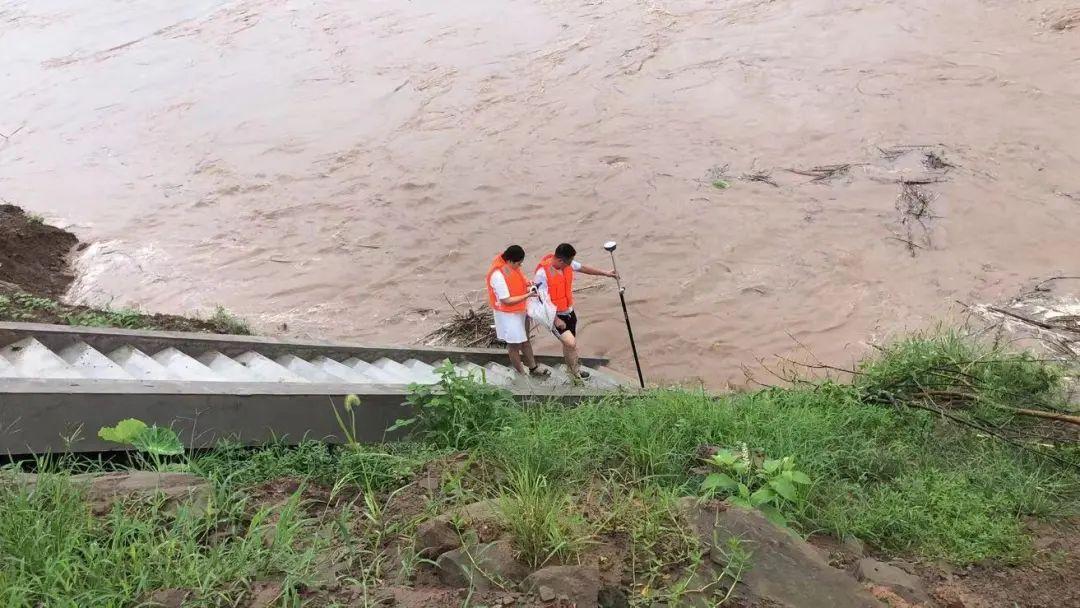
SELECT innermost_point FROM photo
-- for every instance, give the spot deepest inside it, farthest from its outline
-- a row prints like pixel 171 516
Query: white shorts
pixel 510 327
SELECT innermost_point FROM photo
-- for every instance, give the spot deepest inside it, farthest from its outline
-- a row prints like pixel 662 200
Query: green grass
pixel 541 519
pixel 55 553
pixel 905 480
pixel 228 323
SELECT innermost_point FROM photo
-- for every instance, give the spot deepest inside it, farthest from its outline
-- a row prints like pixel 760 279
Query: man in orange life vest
pixel 555 273
pixel 508 290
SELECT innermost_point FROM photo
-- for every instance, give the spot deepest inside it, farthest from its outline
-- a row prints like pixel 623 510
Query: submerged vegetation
pixel 922 454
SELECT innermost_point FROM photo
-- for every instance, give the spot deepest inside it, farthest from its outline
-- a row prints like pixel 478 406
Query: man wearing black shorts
pixel 555 273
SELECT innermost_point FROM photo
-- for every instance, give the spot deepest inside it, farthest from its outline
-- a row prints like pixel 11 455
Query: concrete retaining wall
pixel 36 419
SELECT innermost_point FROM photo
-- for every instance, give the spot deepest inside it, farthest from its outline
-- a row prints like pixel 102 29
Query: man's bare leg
pixel 514 350
pixel 527 351
pixel 570 354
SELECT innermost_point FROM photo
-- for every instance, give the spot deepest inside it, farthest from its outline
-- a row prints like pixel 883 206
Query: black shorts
pixel 571 323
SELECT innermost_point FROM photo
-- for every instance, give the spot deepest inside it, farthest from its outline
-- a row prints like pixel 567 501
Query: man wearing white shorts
pixel 508 290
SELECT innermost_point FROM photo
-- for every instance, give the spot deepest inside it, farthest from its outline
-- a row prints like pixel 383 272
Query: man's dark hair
pixel 565 252
pixel 514 253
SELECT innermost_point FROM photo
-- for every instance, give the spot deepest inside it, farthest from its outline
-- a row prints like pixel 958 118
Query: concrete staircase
pixel 30 358
pixel 57 382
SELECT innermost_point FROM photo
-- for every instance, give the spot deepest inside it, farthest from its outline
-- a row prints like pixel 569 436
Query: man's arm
pixel 597 272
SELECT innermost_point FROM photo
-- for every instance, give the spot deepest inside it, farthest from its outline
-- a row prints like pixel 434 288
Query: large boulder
pixel 482 567
pixel 581 584
pixel 907 586
pixel 782 569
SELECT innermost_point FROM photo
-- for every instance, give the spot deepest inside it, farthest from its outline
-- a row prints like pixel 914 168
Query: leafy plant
pixel 349 430
pixel 770 487
pixel 458 412
pixel 153 440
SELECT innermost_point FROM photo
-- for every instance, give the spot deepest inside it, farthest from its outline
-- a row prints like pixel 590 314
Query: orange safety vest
pixel 515 280
pixel 560 283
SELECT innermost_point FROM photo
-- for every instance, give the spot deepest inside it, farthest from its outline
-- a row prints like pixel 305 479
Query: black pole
pixel 630 330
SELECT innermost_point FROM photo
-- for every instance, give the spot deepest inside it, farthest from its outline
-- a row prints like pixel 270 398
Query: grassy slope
pixel 901 478
pixel 19 306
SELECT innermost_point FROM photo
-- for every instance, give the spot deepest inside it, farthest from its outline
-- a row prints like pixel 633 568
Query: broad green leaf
pixel 741 467
pixel 719 481
pixel 739 501
pixel 724 458
pixel 761 496
pixel 125 431
pixel 784 488
pixel 744 491
pixel 401 423
pixel 158 440
pixel 800 477
pixel 774 515
pixel 771 466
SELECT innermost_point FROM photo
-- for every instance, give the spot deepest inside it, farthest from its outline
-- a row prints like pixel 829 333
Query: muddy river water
pixel 339 166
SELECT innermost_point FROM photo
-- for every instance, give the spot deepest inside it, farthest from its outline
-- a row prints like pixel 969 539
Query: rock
pixel 853 546
pixel 443 533
pixel 895 579
pixel 264 594
pixel 580 584
pixel 435 537
pixel 483 567
pixel 782 568
pixel 104 489
pixel 167 598
pixel 612 597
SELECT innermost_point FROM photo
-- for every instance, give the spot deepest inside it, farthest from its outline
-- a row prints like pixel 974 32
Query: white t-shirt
pixel 509 326
pixel 541 281
pixel 499 286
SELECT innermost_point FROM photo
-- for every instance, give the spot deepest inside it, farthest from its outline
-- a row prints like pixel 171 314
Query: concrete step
pixel 92 363
pixel 7 370
pixel 227 368
pixel 558 374
pixel 480 374
pixel 139 365
pixel 377 375
pixel 32 359
pixel 308 371
pixel 397 370
pixel 424 373
pixel 599 379
pixel 267 369
pixel 505 374
pixel 183 367
pixel 341 370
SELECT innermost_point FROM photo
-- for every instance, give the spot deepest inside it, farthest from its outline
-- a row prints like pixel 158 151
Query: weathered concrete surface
pixel 37 416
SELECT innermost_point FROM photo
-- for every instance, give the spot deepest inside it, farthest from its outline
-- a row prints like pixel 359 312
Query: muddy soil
pixel 35 271
pixel 33 254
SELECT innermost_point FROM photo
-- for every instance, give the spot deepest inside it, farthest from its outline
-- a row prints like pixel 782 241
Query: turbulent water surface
pixel 339 166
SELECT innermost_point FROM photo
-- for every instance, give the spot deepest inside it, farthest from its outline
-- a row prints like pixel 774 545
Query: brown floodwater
pixel 339 166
